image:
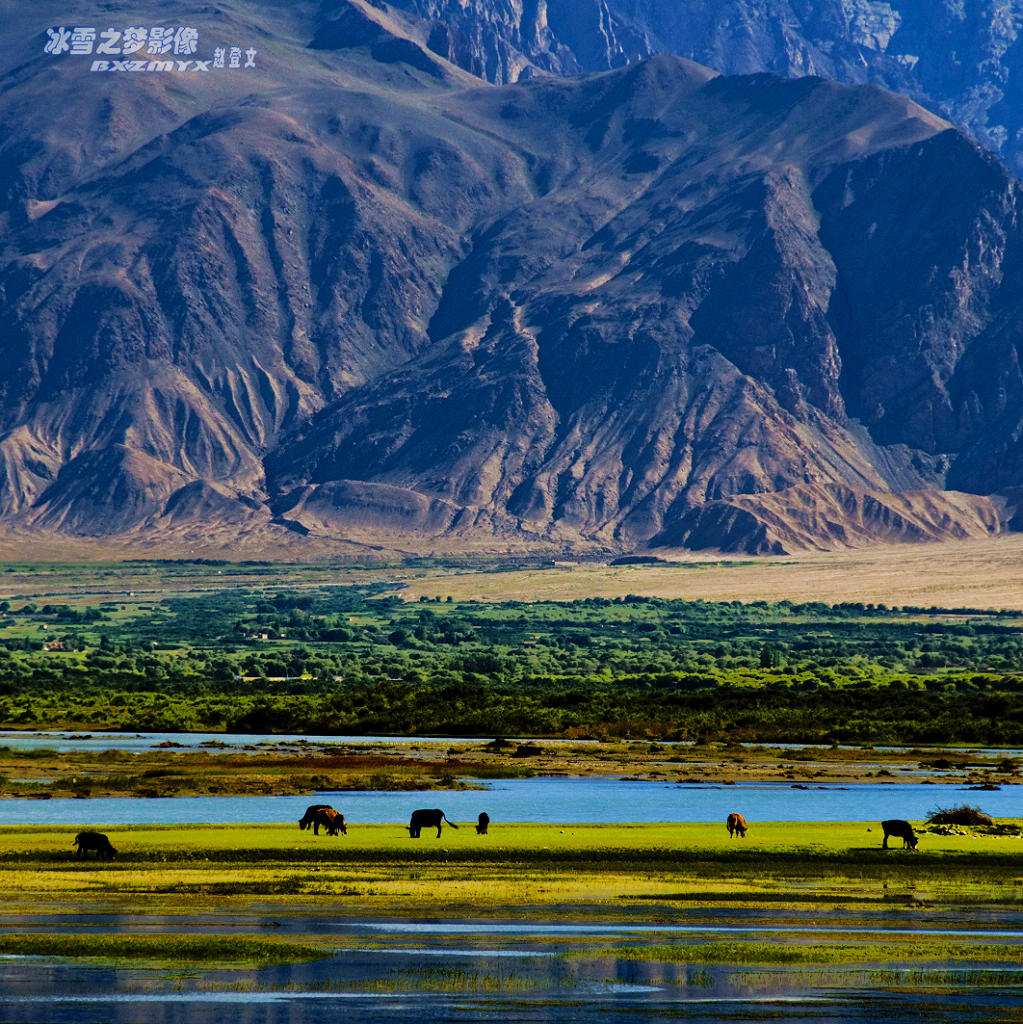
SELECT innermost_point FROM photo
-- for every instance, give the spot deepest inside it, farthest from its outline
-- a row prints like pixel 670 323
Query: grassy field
pixel 976 573
pixel 378 869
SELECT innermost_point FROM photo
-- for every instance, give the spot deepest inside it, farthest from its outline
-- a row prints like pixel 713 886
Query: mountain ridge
pixel 959 60
pixel 361 297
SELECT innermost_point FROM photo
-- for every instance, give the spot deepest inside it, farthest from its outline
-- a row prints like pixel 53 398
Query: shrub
pixel 962 815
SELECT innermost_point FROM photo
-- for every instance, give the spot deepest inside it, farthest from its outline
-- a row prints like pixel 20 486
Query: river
pixel 538 800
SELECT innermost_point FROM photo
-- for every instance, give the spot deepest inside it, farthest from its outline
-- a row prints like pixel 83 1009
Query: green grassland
pixel 200 647
pixel 378 867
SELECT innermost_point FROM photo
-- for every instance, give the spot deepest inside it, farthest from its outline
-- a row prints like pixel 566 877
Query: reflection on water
pixel 739 923
pixel 360 983
pixel 494 973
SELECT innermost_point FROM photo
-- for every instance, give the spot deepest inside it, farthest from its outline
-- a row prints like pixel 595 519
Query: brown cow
pixel 736 825
pixel 325 815
pixel 483 824
pixel 333 821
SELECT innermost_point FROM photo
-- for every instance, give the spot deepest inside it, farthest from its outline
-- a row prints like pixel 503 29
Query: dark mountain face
pixel 961 60
pixel 357 293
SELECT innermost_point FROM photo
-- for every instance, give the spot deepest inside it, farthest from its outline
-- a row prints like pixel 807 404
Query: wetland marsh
pixel 45 766
pixel 552 923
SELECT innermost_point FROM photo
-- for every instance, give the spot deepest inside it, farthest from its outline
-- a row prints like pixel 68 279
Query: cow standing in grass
pixel 95 841
pixel 901 830
pixel 736 825
pixel 325 815
pixel 427 818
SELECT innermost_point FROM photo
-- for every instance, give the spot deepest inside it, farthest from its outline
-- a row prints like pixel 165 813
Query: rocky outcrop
pixel 806 517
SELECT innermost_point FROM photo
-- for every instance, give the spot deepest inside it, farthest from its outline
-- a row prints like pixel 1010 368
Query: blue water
pixel 539 800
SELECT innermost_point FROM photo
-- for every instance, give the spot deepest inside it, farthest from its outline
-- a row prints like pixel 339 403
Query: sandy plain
pixel 973 574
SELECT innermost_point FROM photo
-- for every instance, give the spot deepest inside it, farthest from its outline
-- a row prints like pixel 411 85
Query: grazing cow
pixel 483 824
pixel 95 841
pixel 310 816
pixel 325 815
pixel 333 821
pixel 424 818
pixel 736 825
pixel 901 830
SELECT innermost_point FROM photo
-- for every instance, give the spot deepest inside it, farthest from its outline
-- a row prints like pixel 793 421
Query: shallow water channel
pixel 523 971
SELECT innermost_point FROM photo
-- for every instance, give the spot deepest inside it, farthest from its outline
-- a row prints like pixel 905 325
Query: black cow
pixel 483 824
pixel 900 829
pixel 424 818
pixel 95 841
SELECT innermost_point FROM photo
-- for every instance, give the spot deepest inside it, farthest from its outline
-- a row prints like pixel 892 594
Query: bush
pixel 962 815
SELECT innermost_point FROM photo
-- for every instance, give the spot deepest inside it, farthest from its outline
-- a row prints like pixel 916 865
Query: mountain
pixel 962 60
pixel 354 294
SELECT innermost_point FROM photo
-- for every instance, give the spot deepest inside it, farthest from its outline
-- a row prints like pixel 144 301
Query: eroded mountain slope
pixel 357 293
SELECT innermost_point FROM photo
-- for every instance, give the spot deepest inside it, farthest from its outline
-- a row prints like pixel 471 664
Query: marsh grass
pixel 219 950
pixel 296 769
pixel 436 980
pixel 910 979
pixel 839 951
pixel 941 978
pixel 445 979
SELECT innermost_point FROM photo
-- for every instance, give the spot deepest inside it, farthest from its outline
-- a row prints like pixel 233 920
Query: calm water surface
pixel 538 800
